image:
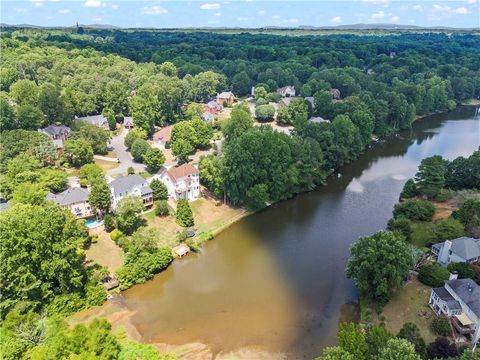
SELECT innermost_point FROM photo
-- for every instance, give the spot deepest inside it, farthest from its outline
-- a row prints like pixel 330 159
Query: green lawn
pixel 410 304
pixel 422 234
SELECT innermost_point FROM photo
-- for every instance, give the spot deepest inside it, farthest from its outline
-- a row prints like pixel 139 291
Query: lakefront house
pixel 182 182
pixel 74 199
pixel 459 300
pixel 462 249
pixel 131 185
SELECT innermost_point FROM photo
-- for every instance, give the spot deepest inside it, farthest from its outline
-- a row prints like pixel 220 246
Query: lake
pixel 276 280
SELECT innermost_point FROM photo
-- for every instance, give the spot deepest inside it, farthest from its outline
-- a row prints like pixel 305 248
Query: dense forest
pixel 161 78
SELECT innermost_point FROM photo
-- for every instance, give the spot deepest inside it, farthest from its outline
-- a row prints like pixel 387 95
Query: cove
pixel 276 280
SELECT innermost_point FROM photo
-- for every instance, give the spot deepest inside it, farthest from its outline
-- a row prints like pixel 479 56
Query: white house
pixel 462 249
pixel 131 185
pixel 182 182
pixel 287 91
pixel 459 300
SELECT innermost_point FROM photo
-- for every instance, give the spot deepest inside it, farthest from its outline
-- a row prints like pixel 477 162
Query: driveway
pixel 123 156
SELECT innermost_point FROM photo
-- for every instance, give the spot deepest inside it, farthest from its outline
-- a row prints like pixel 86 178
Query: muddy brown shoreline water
pixel 275 281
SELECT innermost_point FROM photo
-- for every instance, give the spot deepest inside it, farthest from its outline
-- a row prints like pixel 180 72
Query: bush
pixel 441 348
pixel 447 229
pixel 108 222
pixel 441 326
pixel 464 270
pixel 184 215
pixel 444 195
pixel 402 226
pixel 419 210
pixel 130 170
pixel 83 183
pixel 265 113
pixel 116 235
pixel 162 208
pixel 192 244
pixel 433 275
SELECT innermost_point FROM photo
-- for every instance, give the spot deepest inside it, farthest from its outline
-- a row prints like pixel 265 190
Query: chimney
pixel 445 252
pixel 453 275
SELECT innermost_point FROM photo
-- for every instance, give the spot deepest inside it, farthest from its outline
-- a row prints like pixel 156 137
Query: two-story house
pixel 58 133
pixel 74 199
pixel 462 249
pixel 182 182
pixel 225 98
pixel 459 300
pixel 287 91
pixel 131 185
pixel 95 120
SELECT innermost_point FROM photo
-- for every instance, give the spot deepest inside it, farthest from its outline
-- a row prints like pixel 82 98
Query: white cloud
pixel 63 11
pixel 378 15
pixel 276 17
pixel 417 7
pixel 471 2
pixel 461 11
pixel 154 10
pixel 336 20
pixel 243 18
pixel 115 6
pixel 394 19
pixel 210 6
pixel 37 3
pixel 93 3
pixel 218 14
pixel 376 2
pixel 262 12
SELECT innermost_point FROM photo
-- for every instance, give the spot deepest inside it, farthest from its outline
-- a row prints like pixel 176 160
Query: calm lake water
pixel 275 280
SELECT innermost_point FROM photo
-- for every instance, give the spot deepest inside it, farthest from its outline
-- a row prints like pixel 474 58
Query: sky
pixel 240 13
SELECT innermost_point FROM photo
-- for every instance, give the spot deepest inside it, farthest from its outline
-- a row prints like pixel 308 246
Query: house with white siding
pixel 131 185
pixel 459 300
pixel 182 182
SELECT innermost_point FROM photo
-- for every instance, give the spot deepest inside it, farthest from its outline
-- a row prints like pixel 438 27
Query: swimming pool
pixel 93 223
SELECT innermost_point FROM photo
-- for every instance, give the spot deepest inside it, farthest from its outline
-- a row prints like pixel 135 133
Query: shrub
pixel 464 270
pixel 83 183
pixel 192 244
pixel 265 113
pixel 449 228
pixel 433 275
pixel 419 210
pixel 441 326
pixel 162 208
pixel 441 348
pixel 401 225
pixel 108 222
pixel 444 195
pixel 130 170
pixel 116 235
pixel 184 215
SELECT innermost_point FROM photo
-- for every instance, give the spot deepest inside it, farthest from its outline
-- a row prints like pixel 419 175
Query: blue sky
pixel 240 13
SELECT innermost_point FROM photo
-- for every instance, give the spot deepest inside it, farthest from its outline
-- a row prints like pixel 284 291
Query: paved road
pixel 123 156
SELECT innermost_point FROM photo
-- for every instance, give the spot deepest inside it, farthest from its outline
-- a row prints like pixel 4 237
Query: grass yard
pixel 106 165
pixel 422 234
pixel 106 253
pixel 410 304
pixel 209 217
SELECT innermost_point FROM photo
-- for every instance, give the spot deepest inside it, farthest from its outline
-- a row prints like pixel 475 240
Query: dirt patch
pixel 444 209
pixel 106 253
pixel 410 304
pixel 106 165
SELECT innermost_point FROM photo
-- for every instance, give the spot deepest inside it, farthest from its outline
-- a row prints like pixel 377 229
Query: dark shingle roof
pixel 465 247
pixel 126 183
pixel 69 196
pixel 56 130
pixel 468 291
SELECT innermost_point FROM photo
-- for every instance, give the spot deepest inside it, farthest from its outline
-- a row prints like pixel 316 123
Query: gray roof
pixel 97 120
pixel 4 205
pixel 318 119
pixel 56 130
pixel 208 117
pixel 311 100
pixel 443 294
pixel 465 247
pixel 126 183
pixel 70 196
pixel 468 291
